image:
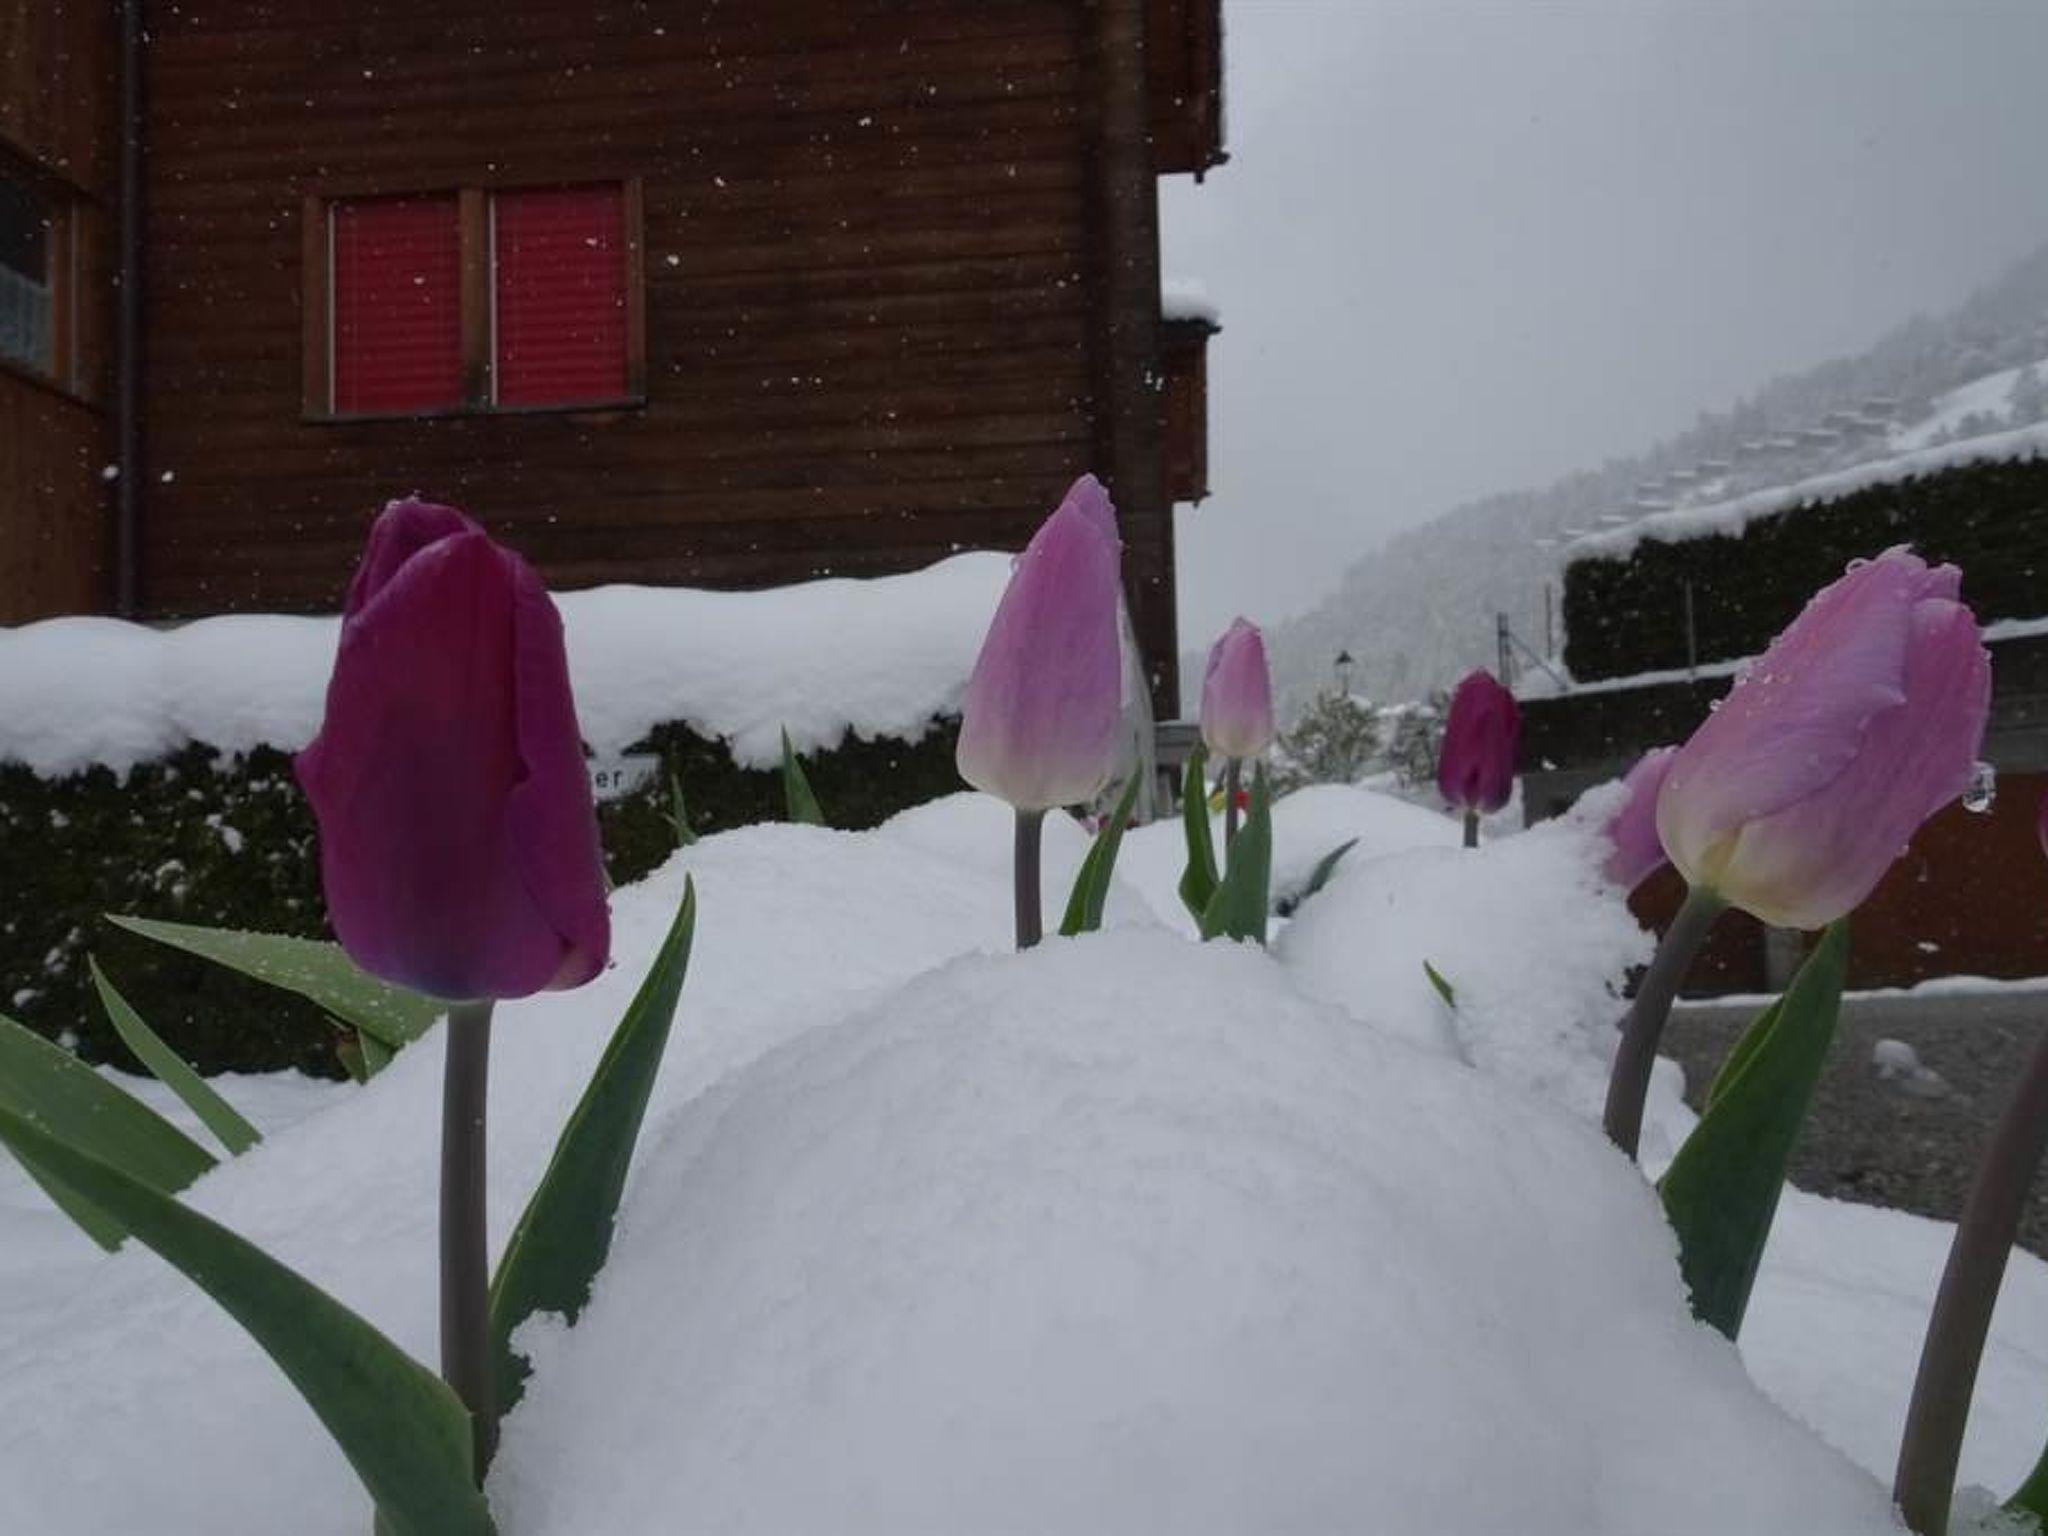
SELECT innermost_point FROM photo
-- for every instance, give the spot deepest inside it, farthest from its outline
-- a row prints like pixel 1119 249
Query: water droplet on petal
pixel 1982 790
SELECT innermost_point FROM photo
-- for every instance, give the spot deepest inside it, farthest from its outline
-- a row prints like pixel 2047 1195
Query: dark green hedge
pixel 228 841
pixel 1628 616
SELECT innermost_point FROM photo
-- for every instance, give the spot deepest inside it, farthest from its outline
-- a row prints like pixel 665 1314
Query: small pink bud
pixel 1237 694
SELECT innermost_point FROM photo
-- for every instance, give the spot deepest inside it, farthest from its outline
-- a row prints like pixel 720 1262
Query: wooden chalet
pixel 668 291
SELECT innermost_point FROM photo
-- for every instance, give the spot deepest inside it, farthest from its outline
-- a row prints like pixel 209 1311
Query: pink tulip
pixel 1863 719
pixel 1039 723
pixel 1237 694
pixel 1637 852
pixel 1476 769
pixel 458 842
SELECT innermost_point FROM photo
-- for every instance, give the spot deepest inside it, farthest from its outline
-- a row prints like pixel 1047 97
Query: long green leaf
pixel 796 789
pixel 1721 1191
pixel 678 816
pixel 405 1433
pixel 214 1112
pixel 1091 884
pixel 1444 989
pixel 1238 909
pixel 1326 866
pixel 313 968
pixel 565 1233
pixel 1746 1046
pixel 1198 881
pixel 48 1086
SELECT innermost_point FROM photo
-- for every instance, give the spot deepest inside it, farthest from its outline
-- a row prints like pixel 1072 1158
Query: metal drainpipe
pixel 128 385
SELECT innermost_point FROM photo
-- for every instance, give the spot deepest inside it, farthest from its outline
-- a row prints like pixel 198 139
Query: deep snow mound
pixel 1126 1234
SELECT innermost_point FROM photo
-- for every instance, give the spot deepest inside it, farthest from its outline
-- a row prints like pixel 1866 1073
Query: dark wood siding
pixel 1184 399
pixel 1184 66
pixel 869 324
pixel 57 103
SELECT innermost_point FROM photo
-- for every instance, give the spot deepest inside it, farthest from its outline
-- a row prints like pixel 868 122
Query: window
pixel 28 241
pixel 515 298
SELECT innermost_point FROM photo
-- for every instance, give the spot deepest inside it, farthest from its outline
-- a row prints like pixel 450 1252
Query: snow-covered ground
pixel 1127 1233
pixel 740 665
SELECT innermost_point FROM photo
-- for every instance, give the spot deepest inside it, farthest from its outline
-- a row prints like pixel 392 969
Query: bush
pixel 228 841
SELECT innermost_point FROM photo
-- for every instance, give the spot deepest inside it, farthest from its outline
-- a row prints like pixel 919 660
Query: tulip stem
pixel 465 1257
pixel 1940 1405
pixel 1471 829
pixel 1231 775
pixel 1643 1025
pixel 1030 921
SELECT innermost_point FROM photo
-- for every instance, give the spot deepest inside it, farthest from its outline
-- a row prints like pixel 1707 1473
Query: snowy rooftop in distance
pixel 1184 298
pixel 1731 517
pixel 875 657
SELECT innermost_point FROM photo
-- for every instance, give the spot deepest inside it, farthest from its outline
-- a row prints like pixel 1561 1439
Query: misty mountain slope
pixel 1420 609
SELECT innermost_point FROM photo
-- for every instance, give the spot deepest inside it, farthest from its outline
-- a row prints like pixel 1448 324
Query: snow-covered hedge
pixel 148 771
pixel 1751 564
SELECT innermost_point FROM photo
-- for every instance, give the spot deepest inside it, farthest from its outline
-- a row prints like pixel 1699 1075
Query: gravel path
pixel 1901 1137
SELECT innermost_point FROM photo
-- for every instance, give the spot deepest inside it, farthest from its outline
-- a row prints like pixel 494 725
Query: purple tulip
pixel 1863 719
pixel 458 842
pixel 1237 694
pixel 1038 725
pixel 1637 852
pixel 1476 770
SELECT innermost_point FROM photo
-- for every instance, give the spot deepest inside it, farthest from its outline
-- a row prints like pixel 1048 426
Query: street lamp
pixel 1343 666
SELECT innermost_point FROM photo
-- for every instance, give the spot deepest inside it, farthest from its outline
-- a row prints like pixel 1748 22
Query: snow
pixel 1185 298
pixel 1731 517
pixel 877 657
pixel 1123 1234
pixel 1990 395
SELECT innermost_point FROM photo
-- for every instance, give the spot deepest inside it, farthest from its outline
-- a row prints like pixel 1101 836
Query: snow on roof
pixel 1184 298
pixel 877 657
pixel 1731 517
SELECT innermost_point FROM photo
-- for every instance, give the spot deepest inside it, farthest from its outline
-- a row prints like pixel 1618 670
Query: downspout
pixel 128 341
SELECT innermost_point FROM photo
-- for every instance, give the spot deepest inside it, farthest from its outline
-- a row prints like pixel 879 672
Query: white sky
pixel 1464 247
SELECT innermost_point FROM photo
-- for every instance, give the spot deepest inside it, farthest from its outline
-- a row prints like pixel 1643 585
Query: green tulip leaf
pixel 1745 1047
pixel 678 817
pixel 313 968
pixel 796 789
pixel 1091 884
pixel 1238 908
pixel 1721 1191
pixel 1444 989
pixel 565 1233
pixel 1199 881
pixel 47 1086
pixel 170 1069
pixel 1326 866
pixel 405 1433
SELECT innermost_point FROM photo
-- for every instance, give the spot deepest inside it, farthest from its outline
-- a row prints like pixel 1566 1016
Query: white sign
pixel 612 777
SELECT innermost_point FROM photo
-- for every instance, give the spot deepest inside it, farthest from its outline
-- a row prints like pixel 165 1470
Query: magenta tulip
pixel 1038 725
pixel 458 842
pixel 1476 769
pixel 1863 719
pixel 1637 852
pixel 1237 694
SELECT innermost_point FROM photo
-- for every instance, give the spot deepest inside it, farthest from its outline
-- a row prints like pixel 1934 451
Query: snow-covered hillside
pixel 1422 608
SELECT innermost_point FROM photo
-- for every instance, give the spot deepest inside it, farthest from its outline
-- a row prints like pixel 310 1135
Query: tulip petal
pixel 1482 736
pixel 1797 719
pixel 402 530
pixel 1237 694
pixel 1817 858
pixel 1039 718
pixel 551 818
pixel 1637 851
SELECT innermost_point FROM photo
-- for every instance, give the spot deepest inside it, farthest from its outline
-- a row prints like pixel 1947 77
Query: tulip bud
pixel 1637 852
pixel 458 841
pixel 1863 719
pixel 1476 769
pixel 1039 722
pixel 1237 694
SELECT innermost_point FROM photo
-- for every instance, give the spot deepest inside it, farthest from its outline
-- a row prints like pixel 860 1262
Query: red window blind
pixel 560 286
pixel 397 274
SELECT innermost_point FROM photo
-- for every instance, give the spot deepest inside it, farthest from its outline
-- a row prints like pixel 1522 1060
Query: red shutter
pixel 397 274
pixel 560 255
